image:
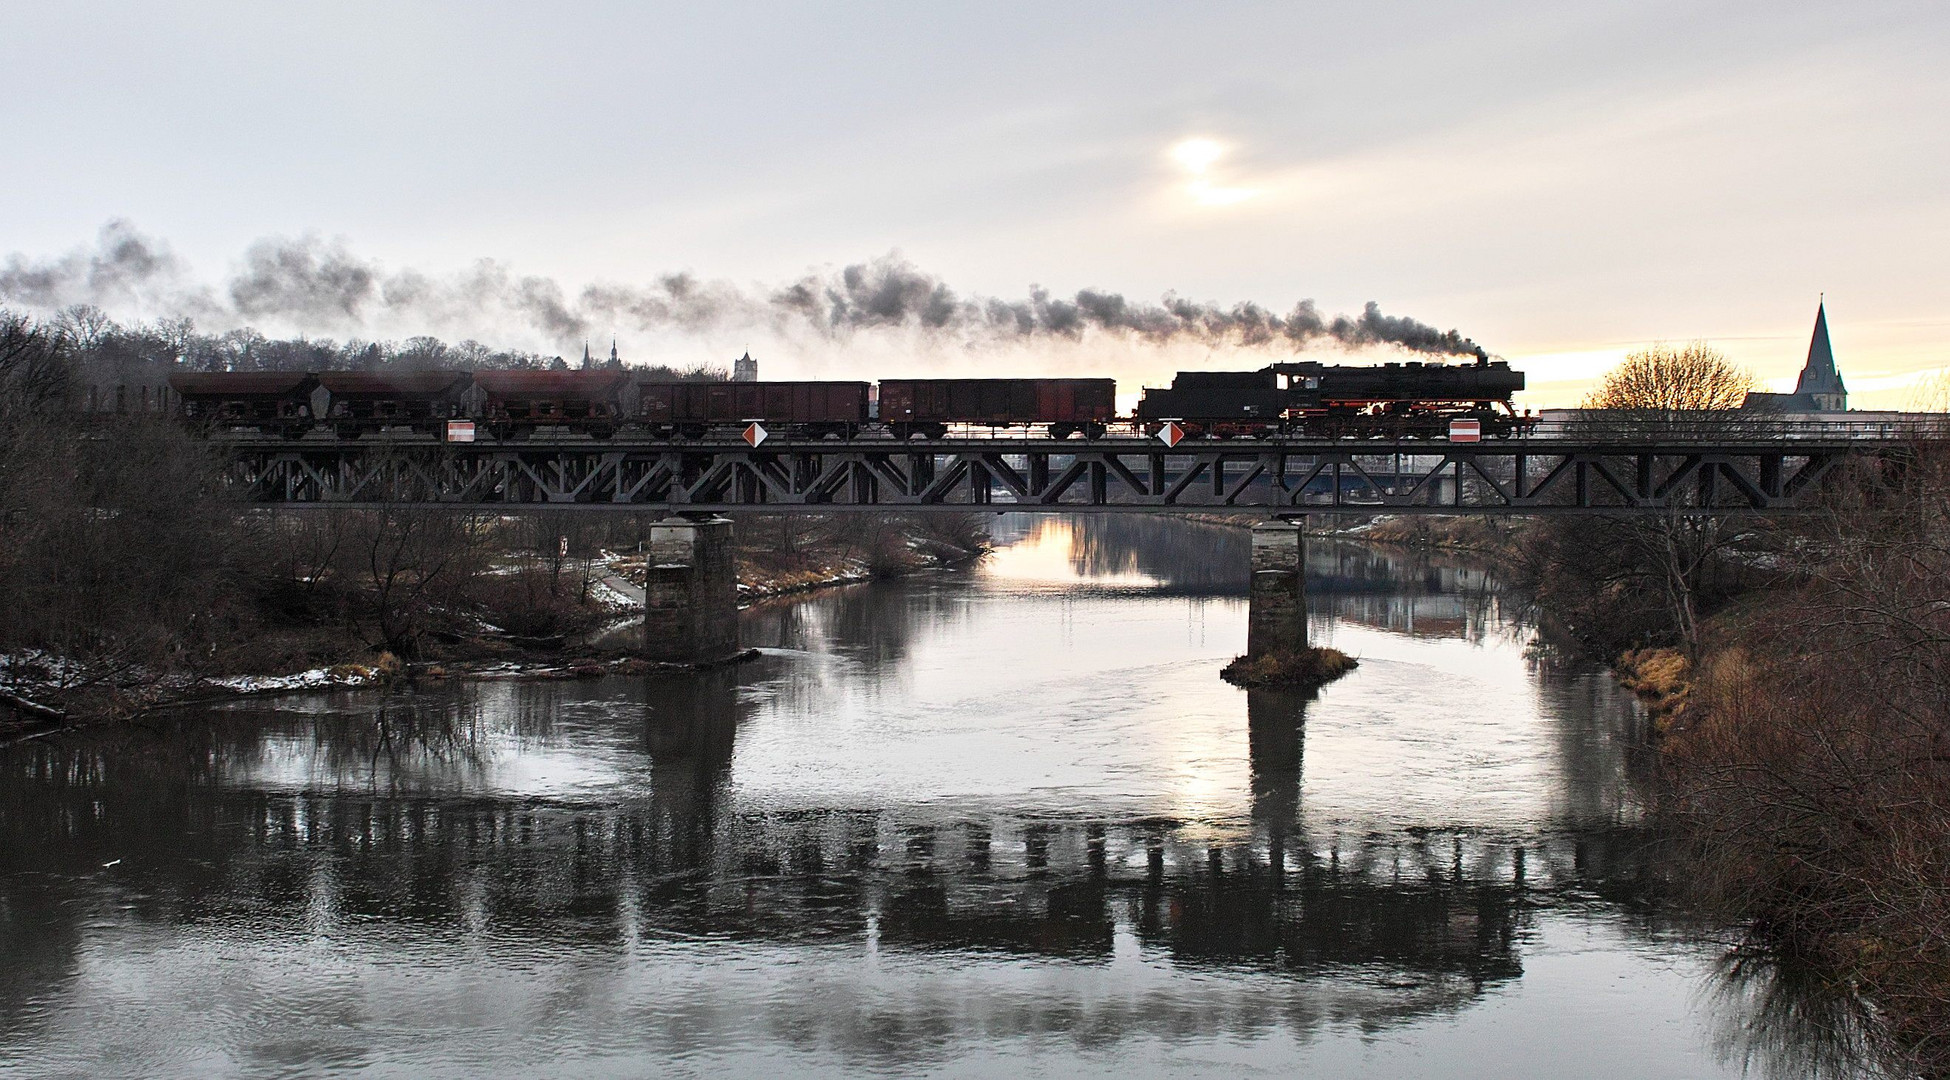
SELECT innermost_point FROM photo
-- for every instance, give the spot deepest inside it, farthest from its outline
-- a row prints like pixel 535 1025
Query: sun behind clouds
pixel 1197 157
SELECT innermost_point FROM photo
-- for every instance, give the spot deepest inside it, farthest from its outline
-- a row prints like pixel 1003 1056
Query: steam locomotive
pixel 1409 400
pixel 1301 398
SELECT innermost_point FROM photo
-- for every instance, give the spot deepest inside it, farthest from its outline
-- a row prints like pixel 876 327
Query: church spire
pixel 585 354
pixel 615 361
pixel 1819 378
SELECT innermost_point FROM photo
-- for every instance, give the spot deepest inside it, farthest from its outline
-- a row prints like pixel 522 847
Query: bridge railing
pixel 1630 432
pixel 1632 427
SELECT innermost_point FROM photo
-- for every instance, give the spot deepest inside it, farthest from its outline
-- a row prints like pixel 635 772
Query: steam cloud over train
pixel 1304 398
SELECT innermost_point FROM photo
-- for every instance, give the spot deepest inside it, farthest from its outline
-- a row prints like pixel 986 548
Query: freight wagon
pixel 273 402
pixel 810 409
pixel 367 401
pixel 927 407
pixel 515 403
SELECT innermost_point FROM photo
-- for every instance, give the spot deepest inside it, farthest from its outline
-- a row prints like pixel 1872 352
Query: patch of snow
pixel 610 598
pixel 315 679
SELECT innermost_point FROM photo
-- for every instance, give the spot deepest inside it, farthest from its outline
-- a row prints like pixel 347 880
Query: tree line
pixel 104 352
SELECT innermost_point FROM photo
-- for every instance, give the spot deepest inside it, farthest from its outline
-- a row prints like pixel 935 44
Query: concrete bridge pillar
pixel 1276 618
pixel 690 592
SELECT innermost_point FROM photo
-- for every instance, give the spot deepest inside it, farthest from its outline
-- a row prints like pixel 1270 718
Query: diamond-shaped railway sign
pixel 1171 434
pixel 755 433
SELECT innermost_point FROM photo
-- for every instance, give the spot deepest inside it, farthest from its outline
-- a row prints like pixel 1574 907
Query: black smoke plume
pixel 314 285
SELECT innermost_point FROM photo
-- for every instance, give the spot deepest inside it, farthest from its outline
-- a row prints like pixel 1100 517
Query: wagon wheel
pixel 1061 431
pixel 1095 431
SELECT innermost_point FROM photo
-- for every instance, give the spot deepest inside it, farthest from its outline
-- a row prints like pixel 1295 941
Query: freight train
pixel 1303 398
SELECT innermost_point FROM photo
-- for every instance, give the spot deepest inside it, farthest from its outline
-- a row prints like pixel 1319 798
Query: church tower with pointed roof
pixel 1820 381
pixel 1819 389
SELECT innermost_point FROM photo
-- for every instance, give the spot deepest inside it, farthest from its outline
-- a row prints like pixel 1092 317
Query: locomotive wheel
pixel 601 431
pixel 1061 431
pixel 346 431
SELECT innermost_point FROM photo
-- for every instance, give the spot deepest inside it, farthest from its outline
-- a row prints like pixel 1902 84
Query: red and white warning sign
pixel 1465 431
pixel 460 431
pixel 755 433
pixel 1171 434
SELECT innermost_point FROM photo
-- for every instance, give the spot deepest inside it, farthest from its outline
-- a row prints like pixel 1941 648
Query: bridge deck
pixel 1665 472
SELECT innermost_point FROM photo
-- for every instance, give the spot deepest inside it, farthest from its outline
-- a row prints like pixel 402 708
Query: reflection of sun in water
pixel 1052 552
pixel 1197 157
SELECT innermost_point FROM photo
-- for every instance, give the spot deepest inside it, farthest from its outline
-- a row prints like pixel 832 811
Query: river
pixel 992 823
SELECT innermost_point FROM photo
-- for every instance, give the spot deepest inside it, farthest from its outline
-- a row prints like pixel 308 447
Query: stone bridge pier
pixel 690 592
pixel 1276 618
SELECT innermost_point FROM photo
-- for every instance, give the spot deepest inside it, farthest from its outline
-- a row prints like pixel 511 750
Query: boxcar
pixel 364 401
pixel 812 409
pixel 275 402
pixel 928 406
pixel 515 403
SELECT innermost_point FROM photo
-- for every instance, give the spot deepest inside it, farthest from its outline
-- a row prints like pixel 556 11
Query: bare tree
pixel 1636 580
pixel 1694 378
pixel 414 563
pixel 86 325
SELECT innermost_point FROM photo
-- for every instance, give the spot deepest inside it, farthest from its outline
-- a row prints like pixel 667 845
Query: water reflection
pixel 967 821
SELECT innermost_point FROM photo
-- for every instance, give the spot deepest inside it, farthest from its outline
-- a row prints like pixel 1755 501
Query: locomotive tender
pixel 1302 397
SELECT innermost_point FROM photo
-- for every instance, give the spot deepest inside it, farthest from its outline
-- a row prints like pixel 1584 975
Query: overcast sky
pixel 1560 182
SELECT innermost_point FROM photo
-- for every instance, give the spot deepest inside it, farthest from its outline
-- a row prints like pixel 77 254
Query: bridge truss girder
pixel 1523 477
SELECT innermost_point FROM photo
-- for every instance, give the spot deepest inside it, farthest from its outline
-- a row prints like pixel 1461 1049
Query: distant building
pixel 589 362
pixel 1819 389
pixel 744 369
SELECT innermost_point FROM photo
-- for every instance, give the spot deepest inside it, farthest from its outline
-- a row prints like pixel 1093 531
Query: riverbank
pixel 478 606
pixel 1477 534
pixel 1795 678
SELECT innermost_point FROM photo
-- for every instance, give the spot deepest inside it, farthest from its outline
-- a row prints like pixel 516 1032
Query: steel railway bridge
pixel 1663 470
pixel 690 596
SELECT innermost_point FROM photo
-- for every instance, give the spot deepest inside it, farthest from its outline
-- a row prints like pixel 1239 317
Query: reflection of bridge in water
pixel 1377 928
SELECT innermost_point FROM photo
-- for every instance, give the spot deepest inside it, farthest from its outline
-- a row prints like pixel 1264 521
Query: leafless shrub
pixel 1815 768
